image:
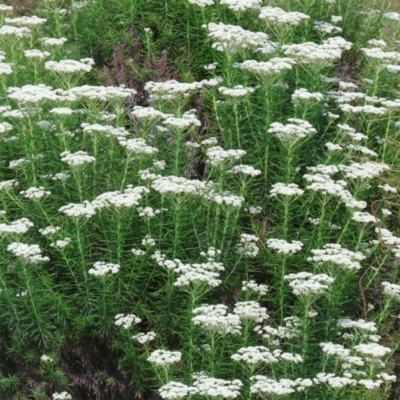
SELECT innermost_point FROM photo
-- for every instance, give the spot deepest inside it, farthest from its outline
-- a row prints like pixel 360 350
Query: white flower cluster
pixel 147 212
pixel 217 320
pixel 8 30
pixel 367 109
pixel 26 21
pixel 264 68
pixel 254 287
pixel 77 210
pixel 232 39
pixel 278 16
pixel 285 189
pixel 187 120
pixel 364 217
pixel 179 185
pixel 18 226
pixel 376 53
pixel 334 253
pixel 281 246
pixel 236 91
pixel 245 170
pixel 143 338
pixel 32 94
pixel 322 54
pixel 225 198
pixel 304 94
pixel 31 253
pixel 46 358
pixel 373 350
pixel 130 197
pixel 306 283
pixel 171 89
pixel 289 331
pixel 176 390
pixel 326 27
pixel 241 5
pixel 264 386
pixel 260 354
pixel 296 129
pixel 76 159
pixel 391 290
pixel 35 53
pixel 219 388
pixel 69 66
pixel 163 358
pixel 101 93
pixel 336 382
pixel 62 243
pixel 62 396
pixel 248 245
pixel 52 42
pixel 35 192
pixel 7 185
pixel 217 156
pixel 250 311
pixel 147 113
pixel 365 170
pixel 327 186
pixel 101 268
pixel 127 320
pixel 201 4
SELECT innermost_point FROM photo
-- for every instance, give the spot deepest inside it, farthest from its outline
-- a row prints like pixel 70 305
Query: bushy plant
pixel 198 199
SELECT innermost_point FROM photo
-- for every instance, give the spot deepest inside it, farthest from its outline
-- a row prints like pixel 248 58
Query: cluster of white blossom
pixel 326 27
pixel 334 253
pixel 296 129
pixel 217 320
pixel 306 283
pixel 364 217
pixel 365 170
pixel 285 189
pixel 69 66
pixel 186 121
pixel 304 94
pixel 61 243
pixel 265 68
pixel 126 321
pixel 281 246
pixel 18 226
pixel 218 388
pixel 62 396
pixel 241 5
pixel 252 286
pixel 176 390
pixel 130 197
pixel 250 311
pixel 232 39
pixel 101 268
pixel 31 253
pixel 264 386
pixel 76 159
pixel 164 358
pixel 391 290
pixel 245 170
pixel 35 192
pixel 319 54
pixel 144 338
pixel 278 16
pixel 101 93
pixel 248 245
pixel 30 22
pixel 289 331
pixel 217 156
pixel 236 91
pixel 35 53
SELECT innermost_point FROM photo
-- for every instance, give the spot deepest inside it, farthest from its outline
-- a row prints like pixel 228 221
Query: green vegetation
pixel 198 199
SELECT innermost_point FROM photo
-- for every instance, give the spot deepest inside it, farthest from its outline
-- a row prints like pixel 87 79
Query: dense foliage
pixel 198 199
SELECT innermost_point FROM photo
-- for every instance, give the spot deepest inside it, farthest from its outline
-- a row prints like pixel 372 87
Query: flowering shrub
pixel 218 220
